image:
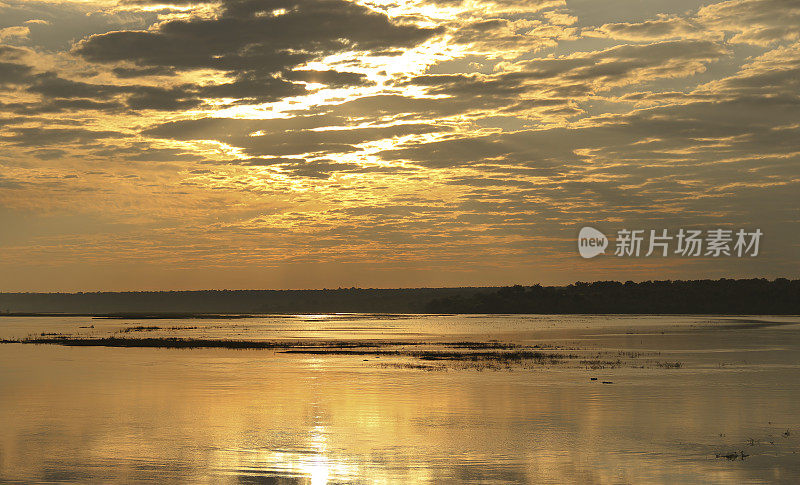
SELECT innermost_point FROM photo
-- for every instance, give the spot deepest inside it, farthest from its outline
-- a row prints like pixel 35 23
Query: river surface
pixel 95 414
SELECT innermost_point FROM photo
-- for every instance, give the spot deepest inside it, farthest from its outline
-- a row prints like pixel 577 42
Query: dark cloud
pixel 331 78
pixel 257 45
pixel 248 89
pixel 177 3
pixel 8 183
pixel 471 84
pixel 55 136
pixel 249 36
pixel 12 73
pixel 471 150
pixel 318 168
pixel 624 62
pixel 262 162
pixel 662 28
pixel 49 84
pixel 323 169
pixel 8 52
pixel 59 105
pixel 251 89
pixel 61 94
pixel 517 5
pixel 747 115
pixel 405 108
pixel 133 72
pixel 549 82
pixel 227 129
pixel 142 152
pixel 164 99
pixel 282 137
pixel 327 141
pixel 490 182
pixel 48 153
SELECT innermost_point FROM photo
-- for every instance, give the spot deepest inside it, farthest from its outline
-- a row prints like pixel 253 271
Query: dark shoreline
pixel 695 297
pixel 235 316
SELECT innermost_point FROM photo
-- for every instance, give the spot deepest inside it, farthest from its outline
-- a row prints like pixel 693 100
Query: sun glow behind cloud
pixel 419 142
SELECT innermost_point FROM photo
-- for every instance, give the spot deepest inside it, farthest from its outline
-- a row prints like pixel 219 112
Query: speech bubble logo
pixel 591 242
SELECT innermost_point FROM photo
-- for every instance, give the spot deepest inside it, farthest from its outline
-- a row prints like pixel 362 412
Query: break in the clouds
pixel 311 143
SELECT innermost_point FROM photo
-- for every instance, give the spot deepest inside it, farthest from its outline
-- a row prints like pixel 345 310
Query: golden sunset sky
pixel 324 143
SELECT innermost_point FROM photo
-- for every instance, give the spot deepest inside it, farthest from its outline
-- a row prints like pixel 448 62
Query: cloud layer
pixel 330 142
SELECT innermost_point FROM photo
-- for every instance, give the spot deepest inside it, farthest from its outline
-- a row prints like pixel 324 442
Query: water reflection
pixel 237 416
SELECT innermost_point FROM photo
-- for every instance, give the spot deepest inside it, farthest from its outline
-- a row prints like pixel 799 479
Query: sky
pixel 149 144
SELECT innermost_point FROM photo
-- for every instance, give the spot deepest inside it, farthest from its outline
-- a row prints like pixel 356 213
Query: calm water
pixel 95 414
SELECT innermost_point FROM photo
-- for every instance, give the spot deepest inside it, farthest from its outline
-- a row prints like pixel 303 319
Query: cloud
pixel 318 168
pixel 757 22
pixel 331 78
pixel 49 84
pixel 165 99
pixel 510 38
pixel 134 72
pixel 55 25
pixel 65 93
pixel 143 152
pixel 12 73
pixel 6 183
pixel 734 128
pixel 627 63
pixel 436 133
pixel 781 61
pixel 252 89
pixel 55 136
pixel 540 81
pixel 14 32
pixel 148 97
pixel 248 37
pixel 748 115
pixel 59 105
pixel 260 143
pixel 228 129
pixel 664 27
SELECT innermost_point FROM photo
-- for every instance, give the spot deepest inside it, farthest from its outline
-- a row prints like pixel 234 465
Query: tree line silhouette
pixel 724 296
